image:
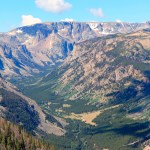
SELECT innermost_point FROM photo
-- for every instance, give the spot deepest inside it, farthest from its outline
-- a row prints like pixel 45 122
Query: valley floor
pixel 95 127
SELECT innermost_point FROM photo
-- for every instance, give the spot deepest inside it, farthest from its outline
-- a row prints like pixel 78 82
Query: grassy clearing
pixel 89 116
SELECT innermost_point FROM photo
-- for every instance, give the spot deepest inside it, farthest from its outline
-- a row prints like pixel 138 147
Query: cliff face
pixel 106 68
pixel 26 50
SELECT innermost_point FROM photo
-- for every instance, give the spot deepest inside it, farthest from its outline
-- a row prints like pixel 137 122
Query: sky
pixel 16 13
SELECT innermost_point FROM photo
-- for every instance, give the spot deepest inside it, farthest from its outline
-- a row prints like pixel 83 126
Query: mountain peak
pixel 33 47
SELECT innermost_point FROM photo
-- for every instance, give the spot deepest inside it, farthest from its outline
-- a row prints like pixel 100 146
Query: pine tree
pixel 22 143
pixel 53 147
pixel 13 137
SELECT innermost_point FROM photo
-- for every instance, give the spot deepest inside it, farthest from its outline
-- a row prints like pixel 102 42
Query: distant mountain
pixel 28 49
pixel 22 110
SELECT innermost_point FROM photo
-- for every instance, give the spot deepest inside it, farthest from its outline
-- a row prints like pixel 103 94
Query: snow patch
pixel 19 31
pixel 93 25
pixel 15 32
pixel 11 33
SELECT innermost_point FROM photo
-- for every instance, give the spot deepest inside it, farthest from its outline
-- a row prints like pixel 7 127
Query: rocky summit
pixel 27 50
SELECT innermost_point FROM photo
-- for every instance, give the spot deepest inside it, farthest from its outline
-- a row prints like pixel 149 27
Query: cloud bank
pixel 68 20
pixel 118 20
pixel 97 12
pixel 54 6
pixel 29 20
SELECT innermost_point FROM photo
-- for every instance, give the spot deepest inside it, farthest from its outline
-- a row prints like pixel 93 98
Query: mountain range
pixel 29 49
pixel 82 82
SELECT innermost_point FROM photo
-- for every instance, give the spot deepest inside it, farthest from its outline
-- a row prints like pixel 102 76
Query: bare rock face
pixel 28 49
pixel 127 71
pixel 104 68
pixel 16 60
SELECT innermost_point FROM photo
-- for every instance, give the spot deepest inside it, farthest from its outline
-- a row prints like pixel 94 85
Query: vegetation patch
pixel 19 111
pixel 90 116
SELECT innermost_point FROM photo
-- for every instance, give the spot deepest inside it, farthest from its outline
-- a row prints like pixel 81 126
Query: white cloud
pixel 68 20
pixel 54 6
pixel 97 12
pixel 29 20
pixel 118 21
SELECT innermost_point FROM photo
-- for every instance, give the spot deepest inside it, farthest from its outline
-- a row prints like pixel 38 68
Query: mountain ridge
pixel 87 58
pixel 27 50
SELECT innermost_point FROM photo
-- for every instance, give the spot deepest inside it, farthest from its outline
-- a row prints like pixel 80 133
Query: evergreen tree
pixel 13 137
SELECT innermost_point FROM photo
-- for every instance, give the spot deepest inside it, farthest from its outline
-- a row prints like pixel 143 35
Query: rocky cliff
pixel 111 67
pixel 28 49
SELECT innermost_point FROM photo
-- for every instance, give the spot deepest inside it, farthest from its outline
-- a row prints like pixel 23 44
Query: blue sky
pixel 15 13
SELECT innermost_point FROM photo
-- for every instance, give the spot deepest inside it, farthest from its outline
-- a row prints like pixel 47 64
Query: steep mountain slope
pixel 25 50
pixel 102 89
pixel 22 110
pixel 112 67
pixel 14 57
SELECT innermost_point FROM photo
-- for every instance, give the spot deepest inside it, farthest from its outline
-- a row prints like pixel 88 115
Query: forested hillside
pixel 14 137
